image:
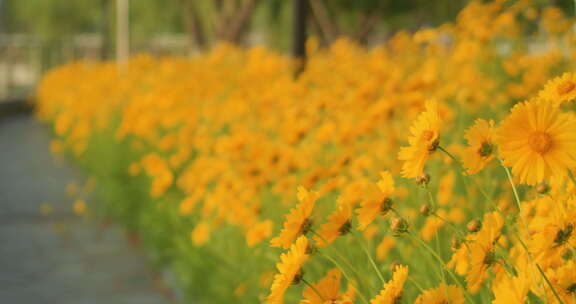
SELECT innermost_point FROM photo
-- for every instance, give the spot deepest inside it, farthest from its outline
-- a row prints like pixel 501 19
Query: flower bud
pixel 456 243
pixel 542 188
pixel 425 210
pixel 386 205
pixel 474 226
pixel 393 265
pixel 423 179
pixel 399 225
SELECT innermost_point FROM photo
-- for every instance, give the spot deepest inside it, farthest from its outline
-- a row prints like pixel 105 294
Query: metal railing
pixel 24 59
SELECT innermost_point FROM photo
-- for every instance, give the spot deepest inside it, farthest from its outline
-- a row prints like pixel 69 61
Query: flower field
pixel 436 168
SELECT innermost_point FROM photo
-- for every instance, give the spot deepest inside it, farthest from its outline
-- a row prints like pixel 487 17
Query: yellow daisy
pixel 258 232
pixel 563 279
pixel 480 150
pixel 537 141
pixel 481 251
pixel 376 204
pixel 392 291
pixel 289 270
pixel 298 221
pixel 560 89
pixel 424 140
pixel 327 290
pixel 511 290
pixel 443 294
pixel 339 223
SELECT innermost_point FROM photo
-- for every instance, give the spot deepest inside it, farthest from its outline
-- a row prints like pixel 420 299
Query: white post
pixel 122 32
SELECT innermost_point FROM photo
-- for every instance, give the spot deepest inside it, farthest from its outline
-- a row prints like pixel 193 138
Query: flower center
pixel 345 228
pixel 490 258
pixel 540 142
pixel 298 277
pixel 486 149
pixel 565 87
pixel 305 227
pixel 386 205
pixel 427 135
pixel 563 235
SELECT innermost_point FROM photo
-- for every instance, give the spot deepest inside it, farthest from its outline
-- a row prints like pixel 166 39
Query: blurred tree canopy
pixel 208 21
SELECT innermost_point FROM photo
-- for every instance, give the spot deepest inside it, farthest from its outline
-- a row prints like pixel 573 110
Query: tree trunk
pixel 326 24
pixel 234 27
pixel 193 24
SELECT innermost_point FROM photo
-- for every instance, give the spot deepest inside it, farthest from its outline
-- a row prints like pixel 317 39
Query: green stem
pixel 313 289
pixel 350 281
pixel 571 175
pixel 418 286
pixel 550 285
pixel 458 231
pixel 517 198
pixel 341 257
pixel 466 177
pixel 372 262
pixel 449 154
pixel 521 215
pixel 437 257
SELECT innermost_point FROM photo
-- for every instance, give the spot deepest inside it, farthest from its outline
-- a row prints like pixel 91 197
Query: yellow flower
pixel 392 291
pixel 481 251
pixel 511 290
pixel 443 294
pixel 384 247
pixel 480 150
pixel 201 234
pixel 432 225
pixel 187 205
pixel 537 141
pixel 424 140
pixel 563 279
pixel 376 204
pixel 339 223
pixel 298 221
pixel 258 232
pixel 79 207
pixel 555 231
pixel 289 270
pixel 327 290
pixel 560 89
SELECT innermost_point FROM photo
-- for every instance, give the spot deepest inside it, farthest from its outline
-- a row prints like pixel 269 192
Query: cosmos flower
pixel 289 270
pixel 392 291
pixel 511 290
pixel 377 204
pixel 258 232
pixel 442 294
pixel 298 221
pixel 560 89
pixel 339 223
pixel 481 148
pixel 481 251
pixel 422 142
pixel 327 290
pixel 537 141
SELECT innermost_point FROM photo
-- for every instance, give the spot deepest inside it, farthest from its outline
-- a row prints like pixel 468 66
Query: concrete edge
pixel 15 106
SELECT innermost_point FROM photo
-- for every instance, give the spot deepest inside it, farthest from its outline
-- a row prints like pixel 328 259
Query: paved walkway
pixel 58 259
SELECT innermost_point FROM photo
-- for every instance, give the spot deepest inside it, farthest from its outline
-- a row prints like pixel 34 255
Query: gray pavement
pixel 60 258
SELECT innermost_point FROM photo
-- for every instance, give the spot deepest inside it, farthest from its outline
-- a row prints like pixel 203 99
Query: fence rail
pixel 24 58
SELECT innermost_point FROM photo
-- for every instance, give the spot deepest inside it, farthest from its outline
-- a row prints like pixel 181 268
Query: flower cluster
pixel 436 168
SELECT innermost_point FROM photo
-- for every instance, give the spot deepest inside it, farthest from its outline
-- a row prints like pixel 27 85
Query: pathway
pixel 58 259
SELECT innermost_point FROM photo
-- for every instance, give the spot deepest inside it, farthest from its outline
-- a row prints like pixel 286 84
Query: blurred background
pixel 36 35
